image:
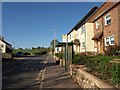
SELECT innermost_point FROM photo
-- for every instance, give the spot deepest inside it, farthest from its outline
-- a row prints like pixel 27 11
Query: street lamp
pixel 54 43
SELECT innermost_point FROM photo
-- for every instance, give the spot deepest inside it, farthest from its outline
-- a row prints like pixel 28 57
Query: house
pixel 5 47
pixel 106 21
pixel 82 33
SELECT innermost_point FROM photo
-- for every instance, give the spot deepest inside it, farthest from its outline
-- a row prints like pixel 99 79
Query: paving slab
pixel 55 76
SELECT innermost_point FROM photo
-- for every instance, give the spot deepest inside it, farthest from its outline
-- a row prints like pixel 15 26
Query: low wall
pixel 87 80
pixel 6 56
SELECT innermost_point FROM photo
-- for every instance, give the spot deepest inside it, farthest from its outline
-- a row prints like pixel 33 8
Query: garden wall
pixel 6 56
pixel 87 80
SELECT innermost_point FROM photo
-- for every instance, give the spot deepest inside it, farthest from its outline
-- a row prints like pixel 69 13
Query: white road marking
pixel 41 75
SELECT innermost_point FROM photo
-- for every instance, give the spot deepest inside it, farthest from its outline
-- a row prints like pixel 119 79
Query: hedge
pixel 101 67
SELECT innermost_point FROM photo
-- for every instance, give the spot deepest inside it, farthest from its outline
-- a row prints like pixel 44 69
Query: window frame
pixel 2 45
pixel 107 19
pixel 97 24
pixel 82 29
pixel 109 41
pixel 83 44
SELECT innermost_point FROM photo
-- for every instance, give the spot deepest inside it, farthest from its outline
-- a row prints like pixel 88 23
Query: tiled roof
pixel 5 42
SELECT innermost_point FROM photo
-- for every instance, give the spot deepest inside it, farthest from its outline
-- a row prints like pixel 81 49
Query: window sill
pixel 110 45
pixel 107 25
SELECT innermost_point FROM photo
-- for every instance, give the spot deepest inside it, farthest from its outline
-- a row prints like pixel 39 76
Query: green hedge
pixel 100 66
pixel 59 55
pixel 115 73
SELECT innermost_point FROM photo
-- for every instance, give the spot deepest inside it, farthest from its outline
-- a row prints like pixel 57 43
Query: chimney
pixel 1 37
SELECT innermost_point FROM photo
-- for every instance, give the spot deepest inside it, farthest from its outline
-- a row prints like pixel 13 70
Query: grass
pixel 31 51
pixel 101 67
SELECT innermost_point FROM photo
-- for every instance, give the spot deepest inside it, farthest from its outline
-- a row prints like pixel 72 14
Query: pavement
pixel 55 76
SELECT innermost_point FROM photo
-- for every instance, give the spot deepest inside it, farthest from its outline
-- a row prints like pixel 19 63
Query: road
pixel 24 72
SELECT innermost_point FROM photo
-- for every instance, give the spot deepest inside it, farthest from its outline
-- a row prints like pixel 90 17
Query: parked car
pixel 19 54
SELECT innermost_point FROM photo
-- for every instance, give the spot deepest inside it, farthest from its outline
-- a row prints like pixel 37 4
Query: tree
pixel 33 48
pixel 39 47
pixel 52 44
pixel 20 48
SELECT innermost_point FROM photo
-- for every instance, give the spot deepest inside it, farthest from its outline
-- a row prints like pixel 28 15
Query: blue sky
pixel 30 24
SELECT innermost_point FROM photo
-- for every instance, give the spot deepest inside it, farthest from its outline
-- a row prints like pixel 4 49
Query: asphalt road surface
pixel 23 73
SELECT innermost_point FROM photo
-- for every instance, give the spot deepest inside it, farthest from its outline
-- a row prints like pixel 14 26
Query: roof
pixel 84 19
pixel 106 10
pixel 97 35
pixel 5 42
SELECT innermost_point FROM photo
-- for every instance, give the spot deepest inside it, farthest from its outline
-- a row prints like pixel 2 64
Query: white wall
pixel 2 47
pixel 58 49
pixel 89 36
pixel 86 37
pixel 81 37
pixel 73 36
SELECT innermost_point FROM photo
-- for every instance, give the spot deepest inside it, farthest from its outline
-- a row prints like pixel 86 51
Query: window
pixel 107 20
pixel 2 46
pixel 70 36
pixel 112 40
pixel 97 25
pixel 57 49
pixel 83 44
pixel 82 29
pixel 109 40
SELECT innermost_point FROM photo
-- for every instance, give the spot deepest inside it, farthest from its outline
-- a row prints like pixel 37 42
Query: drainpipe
pixel 103 34
pixel 85 40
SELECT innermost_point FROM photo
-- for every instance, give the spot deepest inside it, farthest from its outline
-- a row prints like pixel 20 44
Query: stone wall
pixel 87 80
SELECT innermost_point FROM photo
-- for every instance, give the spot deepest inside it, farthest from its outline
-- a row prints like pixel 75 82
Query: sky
pixel 30 24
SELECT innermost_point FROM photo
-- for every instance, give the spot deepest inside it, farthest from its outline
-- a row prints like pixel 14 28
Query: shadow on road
pixel 21 73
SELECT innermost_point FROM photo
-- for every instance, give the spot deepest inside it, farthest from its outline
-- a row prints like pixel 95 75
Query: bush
pixel 115 73
pixel 59 55
pixel 26 53
pixel 78 59
pixel 100 66
pixel 113 50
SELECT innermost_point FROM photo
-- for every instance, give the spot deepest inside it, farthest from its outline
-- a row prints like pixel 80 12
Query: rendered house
pixel 71 38
pixel 86 32
pixel 5 47
pixel 82 34
pixel 106 26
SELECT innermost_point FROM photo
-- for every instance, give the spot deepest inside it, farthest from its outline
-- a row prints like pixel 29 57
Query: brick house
pixel 106 22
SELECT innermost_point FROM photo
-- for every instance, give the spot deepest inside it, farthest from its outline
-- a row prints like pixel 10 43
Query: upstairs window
pixel 83 44
pixel 112 40
pixel 2 46
pixel 82 29
pixel 97 25
pixel 70 36
pixel 107 20
pixel 107 41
